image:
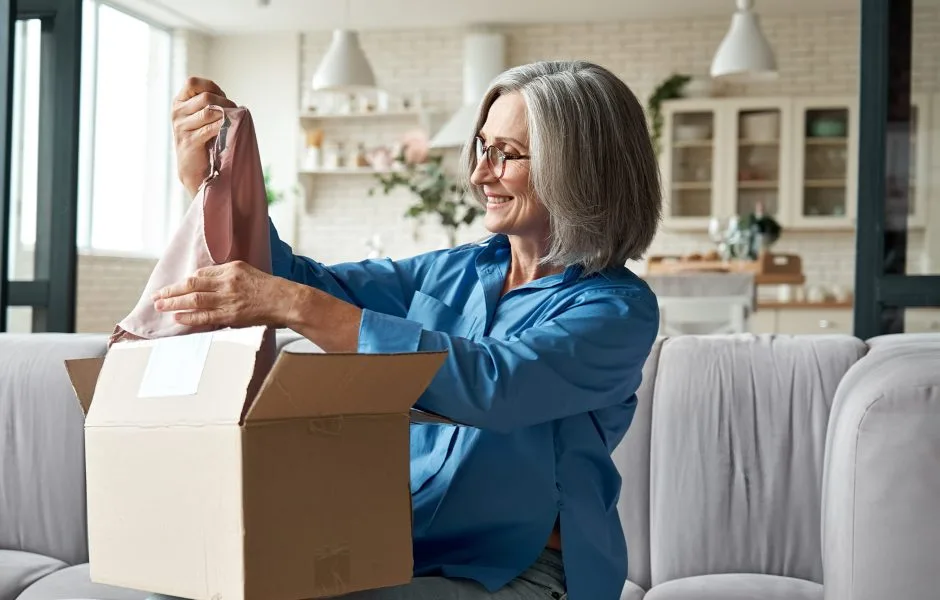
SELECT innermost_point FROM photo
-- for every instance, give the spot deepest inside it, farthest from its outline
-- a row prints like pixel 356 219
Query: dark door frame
pixel 51 293
pixel 882 289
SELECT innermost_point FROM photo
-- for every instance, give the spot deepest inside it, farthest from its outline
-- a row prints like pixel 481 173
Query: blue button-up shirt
pixel 543 382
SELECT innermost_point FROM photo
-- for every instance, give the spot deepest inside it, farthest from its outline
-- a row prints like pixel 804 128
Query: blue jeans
pixel 544 580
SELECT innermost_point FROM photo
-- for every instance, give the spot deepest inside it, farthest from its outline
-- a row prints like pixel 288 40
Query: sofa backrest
pixel 736 427
pixel 632 458
pixel 42 449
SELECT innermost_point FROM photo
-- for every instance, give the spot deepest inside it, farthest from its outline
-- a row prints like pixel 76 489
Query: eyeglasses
pixel 495 158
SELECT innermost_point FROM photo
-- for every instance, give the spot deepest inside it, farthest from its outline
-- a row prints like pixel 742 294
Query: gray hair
pixel 593 165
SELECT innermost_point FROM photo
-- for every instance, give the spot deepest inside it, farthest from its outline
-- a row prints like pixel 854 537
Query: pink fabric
pixel 227 221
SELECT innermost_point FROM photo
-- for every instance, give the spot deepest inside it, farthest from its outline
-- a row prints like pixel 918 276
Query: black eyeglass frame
pixel 482 150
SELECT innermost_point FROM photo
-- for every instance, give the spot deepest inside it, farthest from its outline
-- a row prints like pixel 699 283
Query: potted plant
pixel 670 88
pixel 438 193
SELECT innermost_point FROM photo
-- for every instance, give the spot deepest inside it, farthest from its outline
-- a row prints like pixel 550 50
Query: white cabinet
pixel 692 171
pixel 825 151
pixel 801 320
pixel 795 156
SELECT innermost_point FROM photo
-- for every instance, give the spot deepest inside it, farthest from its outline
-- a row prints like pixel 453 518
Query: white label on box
pixel 175 366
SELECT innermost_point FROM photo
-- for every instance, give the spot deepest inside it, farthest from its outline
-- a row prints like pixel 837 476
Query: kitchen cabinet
pixel 828 318
pixel 797 157
pixel 801 319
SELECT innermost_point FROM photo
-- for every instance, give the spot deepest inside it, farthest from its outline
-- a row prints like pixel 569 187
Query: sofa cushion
pixel 18 570
pixel 632 458
pixel 632 591
pixel 738 435
pixel 736 586
pixel 73 583
pixel 42 467
pixel 880 501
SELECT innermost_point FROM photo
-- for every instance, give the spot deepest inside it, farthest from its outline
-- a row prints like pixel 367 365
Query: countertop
pixel 831 304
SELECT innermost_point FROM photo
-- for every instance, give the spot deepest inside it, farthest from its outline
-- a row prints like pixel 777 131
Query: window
pixel 125 135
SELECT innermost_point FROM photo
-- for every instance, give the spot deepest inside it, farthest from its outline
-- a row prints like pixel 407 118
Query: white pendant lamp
pixel 344 67
pixel 744 52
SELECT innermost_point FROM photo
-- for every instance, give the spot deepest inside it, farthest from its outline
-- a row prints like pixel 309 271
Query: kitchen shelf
pixel 693 144
pixel 754 184
pixel 826 141
pixel 347 171
pixel 691 185
pixel 824 183
pixel 391 114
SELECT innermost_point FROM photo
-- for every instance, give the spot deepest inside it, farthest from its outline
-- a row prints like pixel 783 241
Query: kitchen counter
pixel 775 305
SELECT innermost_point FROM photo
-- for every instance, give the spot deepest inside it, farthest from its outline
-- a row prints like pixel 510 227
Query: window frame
pixel 882 287
pixel 51 295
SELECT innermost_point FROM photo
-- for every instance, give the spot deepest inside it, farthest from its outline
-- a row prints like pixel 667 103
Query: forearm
pixel 325 320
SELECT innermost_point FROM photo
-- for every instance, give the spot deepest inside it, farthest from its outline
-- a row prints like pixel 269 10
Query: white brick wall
pixel 817 55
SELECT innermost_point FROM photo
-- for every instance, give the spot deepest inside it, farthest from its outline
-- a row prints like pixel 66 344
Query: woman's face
pixel 512 207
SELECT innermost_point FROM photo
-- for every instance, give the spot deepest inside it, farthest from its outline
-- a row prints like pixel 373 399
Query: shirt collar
pixel 500 241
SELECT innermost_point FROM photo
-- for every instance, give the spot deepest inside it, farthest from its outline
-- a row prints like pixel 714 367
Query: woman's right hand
pixel 194 126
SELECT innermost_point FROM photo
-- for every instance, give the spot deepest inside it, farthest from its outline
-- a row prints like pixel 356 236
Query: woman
pixel 546 333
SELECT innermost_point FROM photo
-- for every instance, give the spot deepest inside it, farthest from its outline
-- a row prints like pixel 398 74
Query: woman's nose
pixel 482 173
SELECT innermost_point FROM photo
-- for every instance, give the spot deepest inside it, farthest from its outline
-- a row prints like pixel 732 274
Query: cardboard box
pixel 196 489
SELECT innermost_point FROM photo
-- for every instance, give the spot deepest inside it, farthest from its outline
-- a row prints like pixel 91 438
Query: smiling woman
pixel 546 333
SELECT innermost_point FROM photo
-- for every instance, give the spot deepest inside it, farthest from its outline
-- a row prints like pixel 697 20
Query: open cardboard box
pixel 198 488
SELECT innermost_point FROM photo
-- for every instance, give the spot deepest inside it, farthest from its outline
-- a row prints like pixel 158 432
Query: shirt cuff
pixel 386 334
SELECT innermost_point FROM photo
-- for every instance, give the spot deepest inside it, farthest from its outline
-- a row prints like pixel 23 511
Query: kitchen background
pixel 331 215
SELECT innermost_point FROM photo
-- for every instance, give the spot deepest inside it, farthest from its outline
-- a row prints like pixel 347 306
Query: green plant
pixel 274 196
pixel 438 193
pixel 669 88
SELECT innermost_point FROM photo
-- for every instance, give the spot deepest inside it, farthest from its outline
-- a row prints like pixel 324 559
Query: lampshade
pixel 344 66
pixel 744 52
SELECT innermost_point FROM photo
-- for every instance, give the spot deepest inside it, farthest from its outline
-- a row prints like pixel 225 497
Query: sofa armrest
pixel 881 481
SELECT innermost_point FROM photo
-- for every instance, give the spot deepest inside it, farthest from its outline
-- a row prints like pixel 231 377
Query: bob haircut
pixel 593 166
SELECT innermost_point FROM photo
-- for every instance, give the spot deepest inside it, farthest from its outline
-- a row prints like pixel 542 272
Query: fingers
pixel 195 86
pixel 196 283
pixel 198 318
pixel 195 112
pixel 190 301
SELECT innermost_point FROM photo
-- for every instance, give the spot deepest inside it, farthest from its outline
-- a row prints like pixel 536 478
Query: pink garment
pixel 227 221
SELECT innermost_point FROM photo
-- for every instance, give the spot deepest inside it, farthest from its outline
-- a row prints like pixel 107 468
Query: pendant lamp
pixel 744 52
pixel 344 67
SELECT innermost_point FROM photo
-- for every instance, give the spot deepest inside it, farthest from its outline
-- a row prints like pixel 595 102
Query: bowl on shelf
pixel 692 132
pixel 760 127
pixel 826 127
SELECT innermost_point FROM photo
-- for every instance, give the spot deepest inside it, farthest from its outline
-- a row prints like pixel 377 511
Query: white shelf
pixel 391 114
pixel 347 171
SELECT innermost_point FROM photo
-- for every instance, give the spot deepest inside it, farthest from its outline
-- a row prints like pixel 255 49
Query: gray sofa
pixel 757 467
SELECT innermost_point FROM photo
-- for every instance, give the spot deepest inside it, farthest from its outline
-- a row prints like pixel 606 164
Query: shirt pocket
pixel 437 316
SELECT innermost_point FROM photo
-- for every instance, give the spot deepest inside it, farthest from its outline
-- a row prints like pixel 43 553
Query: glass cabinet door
pixel 688 164
pixel 919 168
pixel 760 175
pixel 826 159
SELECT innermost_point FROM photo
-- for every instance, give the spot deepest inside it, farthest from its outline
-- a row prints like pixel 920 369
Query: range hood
pixel 484 54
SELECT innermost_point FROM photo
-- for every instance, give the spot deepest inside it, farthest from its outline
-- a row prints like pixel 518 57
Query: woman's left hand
pixel 233 294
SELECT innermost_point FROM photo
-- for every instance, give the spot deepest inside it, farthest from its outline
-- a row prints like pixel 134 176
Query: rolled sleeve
pixel 589 357
pixel 387 334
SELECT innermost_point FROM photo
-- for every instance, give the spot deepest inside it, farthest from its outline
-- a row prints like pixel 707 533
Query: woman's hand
pixel 229 295
pixel 194 126
pixel 238 295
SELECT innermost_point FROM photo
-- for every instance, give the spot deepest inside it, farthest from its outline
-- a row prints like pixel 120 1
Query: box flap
pixel 308 385
pixel 193 379
pixel 83 373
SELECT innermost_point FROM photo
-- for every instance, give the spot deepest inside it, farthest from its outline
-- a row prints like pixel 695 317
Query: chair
pixel 701 316
pixel 704 303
